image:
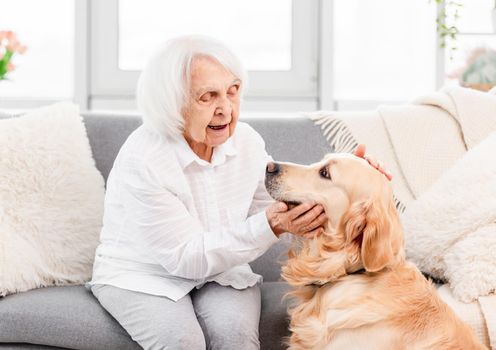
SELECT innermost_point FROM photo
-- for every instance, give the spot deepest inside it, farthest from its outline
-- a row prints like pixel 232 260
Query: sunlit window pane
pixel 46 27
pixel 259 31
pixel 475 16
pixel 384 49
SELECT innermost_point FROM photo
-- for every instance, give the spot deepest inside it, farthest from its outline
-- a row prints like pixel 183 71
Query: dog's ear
pixel 373 224
pixel 377 249
pixel 354 222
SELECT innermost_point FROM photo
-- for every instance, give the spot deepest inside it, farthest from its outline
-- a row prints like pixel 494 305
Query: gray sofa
pixel 71 318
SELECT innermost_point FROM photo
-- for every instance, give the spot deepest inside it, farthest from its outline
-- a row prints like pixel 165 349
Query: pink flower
pixel 9 46
pixel 12 46
pixel 11 36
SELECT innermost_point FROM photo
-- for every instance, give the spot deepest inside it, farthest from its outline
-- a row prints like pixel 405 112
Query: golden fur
pixel 352 288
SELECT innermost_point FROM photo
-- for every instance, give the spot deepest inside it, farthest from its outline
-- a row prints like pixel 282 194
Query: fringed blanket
pixel 418 141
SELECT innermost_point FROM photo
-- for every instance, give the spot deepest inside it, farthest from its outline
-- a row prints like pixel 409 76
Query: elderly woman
pixel 186 208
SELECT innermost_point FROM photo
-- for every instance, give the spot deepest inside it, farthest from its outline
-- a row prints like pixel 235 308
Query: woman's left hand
pixel 360 152
pixel 306 219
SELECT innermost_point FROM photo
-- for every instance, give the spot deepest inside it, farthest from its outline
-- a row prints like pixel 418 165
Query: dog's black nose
pixel 272 168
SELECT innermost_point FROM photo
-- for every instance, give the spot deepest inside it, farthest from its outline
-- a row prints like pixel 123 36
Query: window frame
pixel 90 95
pixel 107 80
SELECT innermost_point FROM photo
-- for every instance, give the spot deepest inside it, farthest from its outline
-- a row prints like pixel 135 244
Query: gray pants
pixel 213 317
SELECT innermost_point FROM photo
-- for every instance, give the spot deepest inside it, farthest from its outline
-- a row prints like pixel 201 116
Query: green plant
pixel 479 68
pixel 446 22
pixel 482 70
pixel 9 45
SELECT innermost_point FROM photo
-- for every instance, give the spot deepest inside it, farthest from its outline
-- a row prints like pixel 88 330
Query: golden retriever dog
pixel 352 287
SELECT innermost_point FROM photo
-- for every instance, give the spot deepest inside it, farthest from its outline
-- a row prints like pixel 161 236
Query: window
pixel 383 57
pixel 263 43
pixel 276 40
pixel 45 70
pixel 476 30
pixel 301 55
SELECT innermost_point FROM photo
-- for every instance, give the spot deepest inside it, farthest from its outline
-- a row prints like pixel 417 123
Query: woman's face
pixel 212 111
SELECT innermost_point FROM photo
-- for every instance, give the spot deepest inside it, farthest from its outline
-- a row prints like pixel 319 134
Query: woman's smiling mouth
pixel 218 127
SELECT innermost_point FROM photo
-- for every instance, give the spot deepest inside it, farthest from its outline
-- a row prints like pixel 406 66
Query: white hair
pixel 164 84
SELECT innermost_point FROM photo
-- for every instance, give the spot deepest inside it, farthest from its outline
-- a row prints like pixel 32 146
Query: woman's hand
pixel 360 152
pixel 305 219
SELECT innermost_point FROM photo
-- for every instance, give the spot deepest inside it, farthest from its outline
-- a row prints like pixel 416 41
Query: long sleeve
pixel 173 221
pixel 176 239
pixel 261 198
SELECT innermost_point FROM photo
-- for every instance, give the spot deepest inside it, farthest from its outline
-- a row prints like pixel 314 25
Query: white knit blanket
pixel 450 231
pixel 417 143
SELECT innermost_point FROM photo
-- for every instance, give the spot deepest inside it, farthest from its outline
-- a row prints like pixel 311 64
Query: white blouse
pixel 173 221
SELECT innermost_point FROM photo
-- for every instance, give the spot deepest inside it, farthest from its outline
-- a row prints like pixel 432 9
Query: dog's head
pixel 363 229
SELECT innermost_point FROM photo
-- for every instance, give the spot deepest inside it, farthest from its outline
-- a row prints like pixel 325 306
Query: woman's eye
pixel 233 90
pixel 324 172
pixel 206 97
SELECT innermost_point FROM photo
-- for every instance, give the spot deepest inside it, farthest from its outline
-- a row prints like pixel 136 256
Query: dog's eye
pixel 324 172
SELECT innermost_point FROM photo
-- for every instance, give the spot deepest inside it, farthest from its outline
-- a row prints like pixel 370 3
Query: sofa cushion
pixel 107 133
pixel 71 317
pixel 450 229
pixel 274 318
pixel 25 346
pixel 269 264
pixel 51 200
pixel 67 317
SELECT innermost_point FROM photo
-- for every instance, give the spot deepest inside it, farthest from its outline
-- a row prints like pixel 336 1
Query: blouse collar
pixel 186 156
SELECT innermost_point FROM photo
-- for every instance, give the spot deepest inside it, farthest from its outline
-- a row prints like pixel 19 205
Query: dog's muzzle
pixel 274 185
pixel 272 169
pixel 272 179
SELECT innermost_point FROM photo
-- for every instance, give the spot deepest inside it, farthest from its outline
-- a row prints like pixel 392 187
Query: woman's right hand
pixel 306 219
pixel 360 152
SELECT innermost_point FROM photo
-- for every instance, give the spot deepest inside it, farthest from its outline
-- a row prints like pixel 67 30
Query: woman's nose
pixel 272 168
pixel 224 107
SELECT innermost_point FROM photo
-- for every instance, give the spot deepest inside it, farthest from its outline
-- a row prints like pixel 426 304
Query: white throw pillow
pixel 51 200
pixel 450 230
